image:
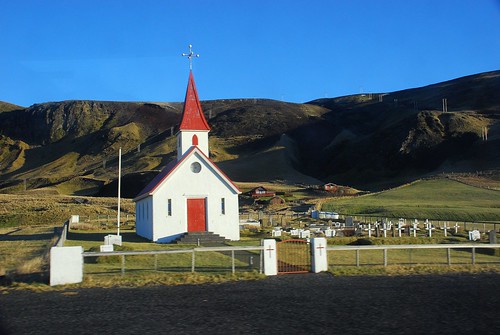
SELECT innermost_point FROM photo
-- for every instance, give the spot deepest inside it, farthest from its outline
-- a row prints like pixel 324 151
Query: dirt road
pixel 293 304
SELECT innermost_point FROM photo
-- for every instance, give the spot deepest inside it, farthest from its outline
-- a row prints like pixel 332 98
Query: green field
pixel 438 199
pixel 26 237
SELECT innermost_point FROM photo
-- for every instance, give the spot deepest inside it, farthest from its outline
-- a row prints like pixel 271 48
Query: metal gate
pixel 294 256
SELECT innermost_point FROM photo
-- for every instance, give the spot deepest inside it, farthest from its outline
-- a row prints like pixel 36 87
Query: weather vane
pixel 190 56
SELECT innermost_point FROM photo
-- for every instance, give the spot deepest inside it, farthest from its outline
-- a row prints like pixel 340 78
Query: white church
pixel 191 194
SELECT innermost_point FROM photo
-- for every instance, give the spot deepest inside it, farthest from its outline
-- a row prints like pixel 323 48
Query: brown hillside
pixel 358 140
pixel 7 107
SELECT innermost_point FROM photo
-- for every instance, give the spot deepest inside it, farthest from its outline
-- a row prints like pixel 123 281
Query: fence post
pixel 123 265
pixel 357 257
pixel 66 265
pixel 448 254
pixel 261 261
pixel 385 257
pixel 232 260
pixel 473 255
pixel 270 257
pixel 319 259
pixel 156 262
pixel 193 260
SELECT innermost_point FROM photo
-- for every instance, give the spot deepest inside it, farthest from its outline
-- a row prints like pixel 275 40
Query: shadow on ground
pixel 83 236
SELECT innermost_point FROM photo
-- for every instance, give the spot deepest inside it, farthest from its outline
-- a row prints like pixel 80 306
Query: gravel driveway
pixel 292 304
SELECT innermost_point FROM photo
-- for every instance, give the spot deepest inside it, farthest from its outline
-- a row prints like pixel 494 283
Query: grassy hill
pixel 381 140
pixel 7 107
pixel 438 199
pixel 369 141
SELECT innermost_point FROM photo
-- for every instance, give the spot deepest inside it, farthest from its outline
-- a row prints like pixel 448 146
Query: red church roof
pixel 192 116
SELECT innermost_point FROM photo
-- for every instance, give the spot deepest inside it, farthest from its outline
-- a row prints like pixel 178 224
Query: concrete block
pixel 107 248
pixel 66 265
pixel 113 239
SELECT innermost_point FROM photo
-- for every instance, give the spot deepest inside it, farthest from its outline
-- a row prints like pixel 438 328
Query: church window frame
pixel 195 167
pixel 194 140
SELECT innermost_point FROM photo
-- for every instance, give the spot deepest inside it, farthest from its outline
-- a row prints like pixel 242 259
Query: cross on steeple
pixel 190 55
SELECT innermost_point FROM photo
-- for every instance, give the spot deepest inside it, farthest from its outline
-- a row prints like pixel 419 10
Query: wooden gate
pixel 294 256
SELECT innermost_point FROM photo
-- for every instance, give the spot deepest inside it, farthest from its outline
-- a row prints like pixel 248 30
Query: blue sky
pixel 296 51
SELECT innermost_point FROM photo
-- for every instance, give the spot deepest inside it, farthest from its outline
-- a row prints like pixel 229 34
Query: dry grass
pixel 36 264
pixel 25 250
pixel 399 270
pixel 154 279
pixel 138 280
pixel 52 210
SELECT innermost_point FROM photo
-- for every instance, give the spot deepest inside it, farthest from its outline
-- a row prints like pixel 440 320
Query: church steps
pixel 201 238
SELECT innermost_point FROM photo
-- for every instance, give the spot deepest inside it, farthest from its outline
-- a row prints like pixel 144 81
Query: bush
pixel 362 241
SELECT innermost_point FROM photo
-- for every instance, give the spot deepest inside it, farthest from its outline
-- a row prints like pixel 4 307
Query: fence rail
pixel 192 251
pixel 386 248
pixel 62 233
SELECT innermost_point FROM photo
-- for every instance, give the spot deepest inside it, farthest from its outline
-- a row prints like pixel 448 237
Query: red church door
pixel 196 215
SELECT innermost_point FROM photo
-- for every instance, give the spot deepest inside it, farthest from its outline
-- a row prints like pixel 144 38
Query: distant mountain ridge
pixel 369 141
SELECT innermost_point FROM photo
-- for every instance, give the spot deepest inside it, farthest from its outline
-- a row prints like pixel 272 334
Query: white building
pixel 191 194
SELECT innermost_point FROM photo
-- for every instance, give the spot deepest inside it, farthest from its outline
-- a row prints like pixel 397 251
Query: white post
pixel 270 257
pixel 369 230
pixel 119 186
pixel 319 260
pixel 66 265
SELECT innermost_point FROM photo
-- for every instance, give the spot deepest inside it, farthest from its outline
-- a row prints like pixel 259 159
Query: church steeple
pixel 193 130
pixel 192 115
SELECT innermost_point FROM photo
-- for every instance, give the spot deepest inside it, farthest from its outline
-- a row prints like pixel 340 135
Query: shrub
pixel 362 241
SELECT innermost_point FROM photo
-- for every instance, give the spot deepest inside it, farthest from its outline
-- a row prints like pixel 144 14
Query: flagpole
pixel 119 186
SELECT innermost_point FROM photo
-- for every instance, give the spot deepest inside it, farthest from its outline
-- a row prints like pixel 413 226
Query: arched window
pixel 195 140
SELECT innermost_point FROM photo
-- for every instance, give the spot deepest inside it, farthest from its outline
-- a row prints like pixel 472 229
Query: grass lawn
pixel 439 199
pixel 24 250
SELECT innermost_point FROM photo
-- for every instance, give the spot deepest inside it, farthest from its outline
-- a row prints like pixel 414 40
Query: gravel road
pixel 292 304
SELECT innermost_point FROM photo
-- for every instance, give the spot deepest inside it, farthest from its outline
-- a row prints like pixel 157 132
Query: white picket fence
pixel 193 251
pixel 357 249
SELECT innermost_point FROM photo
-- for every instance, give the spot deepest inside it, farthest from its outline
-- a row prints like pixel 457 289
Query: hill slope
pixel 369 141
pixel 407 134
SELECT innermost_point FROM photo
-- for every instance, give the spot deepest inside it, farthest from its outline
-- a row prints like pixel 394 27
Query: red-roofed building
pixel 191 194
pixel 261 191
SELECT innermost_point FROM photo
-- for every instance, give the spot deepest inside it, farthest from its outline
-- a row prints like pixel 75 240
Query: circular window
pixel 196 167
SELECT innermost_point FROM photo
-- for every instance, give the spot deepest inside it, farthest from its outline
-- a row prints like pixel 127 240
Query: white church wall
pixel 227 224
pixel 184 184
pixel 144 218
pixel 186 142
pixel 169 224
